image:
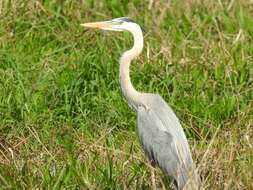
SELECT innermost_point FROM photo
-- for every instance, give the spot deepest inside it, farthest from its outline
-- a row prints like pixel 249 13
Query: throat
pixel 133 97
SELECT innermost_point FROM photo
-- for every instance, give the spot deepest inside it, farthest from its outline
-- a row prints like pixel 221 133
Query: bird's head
pixel 117 24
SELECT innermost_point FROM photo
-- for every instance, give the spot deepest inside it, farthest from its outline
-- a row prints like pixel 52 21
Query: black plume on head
pixel 129 19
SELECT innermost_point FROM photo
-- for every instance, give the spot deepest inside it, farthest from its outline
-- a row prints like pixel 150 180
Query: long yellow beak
pixel 100 25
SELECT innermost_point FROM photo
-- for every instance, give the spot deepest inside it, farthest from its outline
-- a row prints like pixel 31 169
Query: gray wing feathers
pixel 163 139
pixel 158 144
pixel 172 124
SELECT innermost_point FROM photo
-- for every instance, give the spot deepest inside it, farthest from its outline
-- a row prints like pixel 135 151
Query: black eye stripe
pixel 126 19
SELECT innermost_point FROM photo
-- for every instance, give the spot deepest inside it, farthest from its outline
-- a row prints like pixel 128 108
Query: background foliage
pixel 63 121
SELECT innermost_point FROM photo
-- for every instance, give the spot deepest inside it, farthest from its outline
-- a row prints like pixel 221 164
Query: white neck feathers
pixel 133 97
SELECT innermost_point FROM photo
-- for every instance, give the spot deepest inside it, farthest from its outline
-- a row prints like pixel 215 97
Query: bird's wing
pixel 166 115
pixel 171 123
pixel 158 143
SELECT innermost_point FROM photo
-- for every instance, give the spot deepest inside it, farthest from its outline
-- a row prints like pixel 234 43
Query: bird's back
pixel 163 139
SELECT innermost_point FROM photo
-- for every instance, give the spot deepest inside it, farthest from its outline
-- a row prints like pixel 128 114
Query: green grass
pixel 63 121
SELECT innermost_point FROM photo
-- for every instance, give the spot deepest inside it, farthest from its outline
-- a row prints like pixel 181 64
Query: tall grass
pixel 63 121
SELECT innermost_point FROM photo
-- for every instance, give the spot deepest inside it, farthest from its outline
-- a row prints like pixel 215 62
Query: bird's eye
pixel 118 22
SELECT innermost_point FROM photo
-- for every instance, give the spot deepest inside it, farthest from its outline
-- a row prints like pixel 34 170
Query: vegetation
pixel 63 121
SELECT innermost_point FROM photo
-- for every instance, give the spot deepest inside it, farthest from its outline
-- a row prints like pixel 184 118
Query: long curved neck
pixel 132 96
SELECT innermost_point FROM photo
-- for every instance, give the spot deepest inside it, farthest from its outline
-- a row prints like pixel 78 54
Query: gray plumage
pixel 163 140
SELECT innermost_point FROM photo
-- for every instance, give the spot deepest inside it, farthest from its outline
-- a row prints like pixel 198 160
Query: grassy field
pixel 63 121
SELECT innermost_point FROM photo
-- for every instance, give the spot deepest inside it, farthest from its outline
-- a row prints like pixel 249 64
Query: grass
pixel 63 121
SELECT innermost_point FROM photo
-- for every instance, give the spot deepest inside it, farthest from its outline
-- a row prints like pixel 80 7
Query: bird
pixel 159 130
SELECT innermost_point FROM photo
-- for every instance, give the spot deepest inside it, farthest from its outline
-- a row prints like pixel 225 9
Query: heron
pixel 159 130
